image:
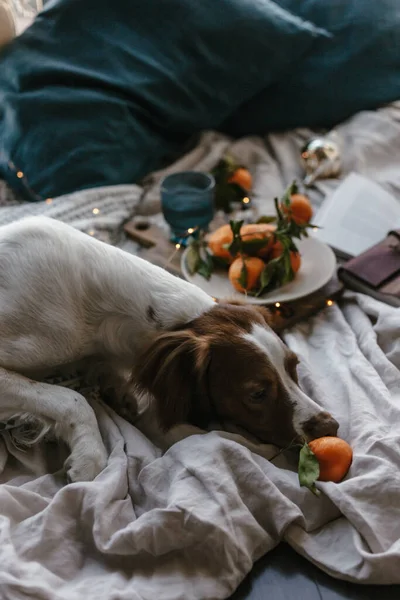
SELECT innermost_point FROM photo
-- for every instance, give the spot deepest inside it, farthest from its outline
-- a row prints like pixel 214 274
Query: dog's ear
pixel 172 369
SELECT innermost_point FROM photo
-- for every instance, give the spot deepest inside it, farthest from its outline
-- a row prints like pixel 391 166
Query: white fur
pixel 272 346
pixel 65 296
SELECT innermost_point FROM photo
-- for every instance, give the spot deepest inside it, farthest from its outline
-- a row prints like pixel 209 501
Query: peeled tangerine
pixel 334 456
pixel 254 268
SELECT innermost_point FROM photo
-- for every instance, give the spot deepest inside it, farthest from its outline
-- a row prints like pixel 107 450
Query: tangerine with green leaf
pixel 295 257
pixel 334 456
pixel 244 273
pixel 299 210
pixel 242 177
pixel 258 231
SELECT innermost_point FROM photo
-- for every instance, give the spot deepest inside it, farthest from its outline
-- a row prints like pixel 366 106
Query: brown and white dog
pixel 66 298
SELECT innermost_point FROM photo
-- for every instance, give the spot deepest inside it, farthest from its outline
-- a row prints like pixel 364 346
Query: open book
pixel 359 214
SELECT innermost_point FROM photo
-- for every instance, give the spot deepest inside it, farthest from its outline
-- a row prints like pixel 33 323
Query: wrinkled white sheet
pixel 189 525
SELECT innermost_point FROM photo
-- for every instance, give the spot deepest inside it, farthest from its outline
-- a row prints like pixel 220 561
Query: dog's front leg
pixel 65 409
pixel 267 451
pixel 164 440
pixel 180 432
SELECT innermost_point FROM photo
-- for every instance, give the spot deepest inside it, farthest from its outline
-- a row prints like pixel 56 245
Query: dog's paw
pixel 124 403
pixel 85 462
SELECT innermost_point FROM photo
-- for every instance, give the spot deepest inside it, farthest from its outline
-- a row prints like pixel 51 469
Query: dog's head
pixel 229 365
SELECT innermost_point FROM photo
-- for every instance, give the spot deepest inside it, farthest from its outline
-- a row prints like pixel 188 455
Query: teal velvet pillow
pixel 358 68
pixel 100 92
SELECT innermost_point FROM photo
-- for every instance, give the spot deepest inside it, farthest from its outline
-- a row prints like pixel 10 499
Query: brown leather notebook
pixel 376 271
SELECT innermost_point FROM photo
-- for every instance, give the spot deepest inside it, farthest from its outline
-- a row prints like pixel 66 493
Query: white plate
pixel 318 264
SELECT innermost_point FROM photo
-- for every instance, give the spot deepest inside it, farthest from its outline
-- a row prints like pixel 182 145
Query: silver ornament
pixel 321 159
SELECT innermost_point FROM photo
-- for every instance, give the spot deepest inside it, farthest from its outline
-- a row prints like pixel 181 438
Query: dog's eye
pixel 258 396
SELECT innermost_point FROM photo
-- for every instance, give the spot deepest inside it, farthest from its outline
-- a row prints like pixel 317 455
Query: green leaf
pixel 236 226
pixel 289 192
pixel 205 266
pixel 230 163
pixel 240 192
pixel 220 262
pixel 294 188
pixel 278 211
pixel 234 247
pixel 243 276
pixel 286 241
pixel 288 271
pixel 308 469
pixel 266 219
pixel 225 195
pixel 193 258
pixel 286 197
pixel 268 275
pixel 204 269
pixel 251 247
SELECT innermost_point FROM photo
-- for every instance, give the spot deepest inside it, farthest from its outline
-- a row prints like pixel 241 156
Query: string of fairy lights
pixel 280 308
pixel 21 176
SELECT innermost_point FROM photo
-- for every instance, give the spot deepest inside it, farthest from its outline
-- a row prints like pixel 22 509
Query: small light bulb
pixel 277 304
pixel 213 298
pixel 190 230
pixel 246 200
pixel 91 232
pixel 315 228
pixel 96 211
pixel 177 246
pixel 329 302
pixel 20 174
pixel 49 200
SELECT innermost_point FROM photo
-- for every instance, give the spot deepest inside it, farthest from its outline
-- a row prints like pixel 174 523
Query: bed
pixel 83 143
pixel 192 523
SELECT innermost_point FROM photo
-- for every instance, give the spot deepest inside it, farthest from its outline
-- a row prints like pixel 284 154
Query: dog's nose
pixel 320 425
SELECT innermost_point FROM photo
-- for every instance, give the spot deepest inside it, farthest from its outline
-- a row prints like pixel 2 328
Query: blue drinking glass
pixel 187 202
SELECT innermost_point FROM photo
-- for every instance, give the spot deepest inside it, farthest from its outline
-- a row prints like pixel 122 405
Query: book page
pixel 356 216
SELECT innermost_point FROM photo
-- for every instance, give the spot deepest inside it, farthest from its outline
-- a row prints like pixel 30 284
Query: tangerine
pixel 218 240
pixel 259 231
pixel 254 268
pixel 295 257
pixel 243 178
pixel 334 456
pixel 299 210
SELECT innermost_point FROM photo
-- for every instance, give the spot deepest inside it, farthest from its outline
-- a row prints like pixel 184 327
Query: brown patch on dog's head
pixel 172 368
pixel 217 369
